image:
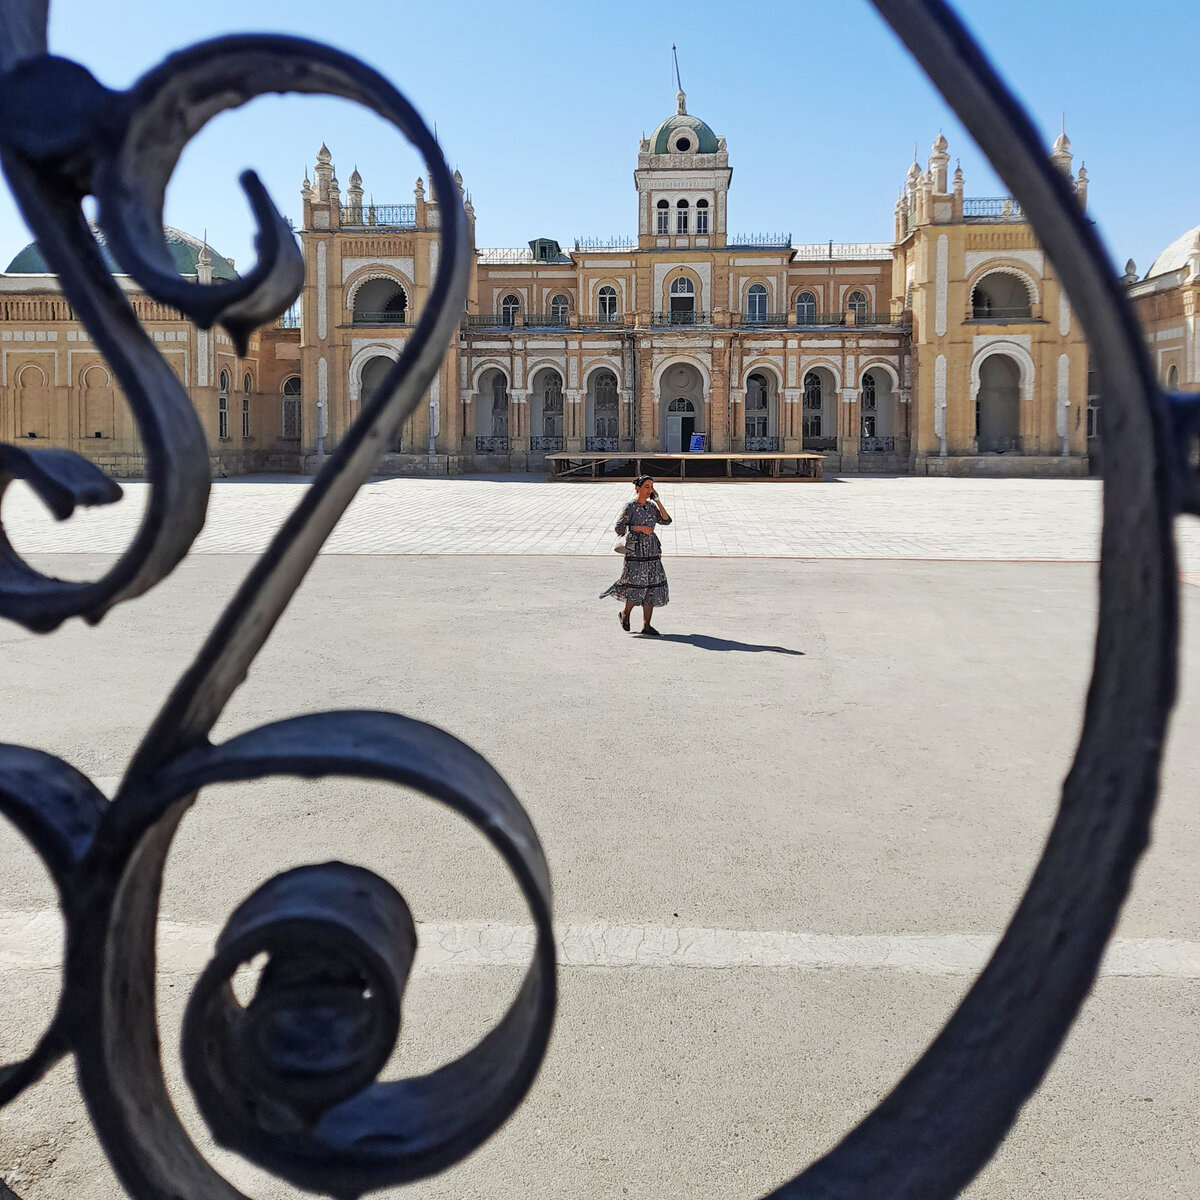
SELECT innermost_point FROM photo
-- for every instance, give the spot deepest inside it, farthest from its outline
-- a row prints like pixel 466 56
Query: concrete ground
pixel 782 838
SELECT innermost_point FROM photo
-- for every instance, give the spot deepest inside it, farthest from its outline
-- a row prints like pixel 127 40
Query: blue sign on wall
pixel 696 446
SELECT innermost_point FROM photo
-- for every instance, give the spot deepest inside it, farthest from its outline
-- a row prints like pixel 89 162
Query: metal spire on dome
pixel 680 96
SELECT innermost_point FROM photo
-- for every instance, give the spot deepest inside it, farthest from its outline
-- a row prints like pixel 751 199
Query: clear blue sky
pixel 541 105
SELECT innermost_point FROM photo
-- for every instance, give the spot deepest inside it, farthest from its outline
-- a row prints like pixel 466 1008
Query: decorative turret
pixel 939 160
pixel 1061 155
pixel 958 191
pixel 204 263
pixel 323 174
pixel 458 181
pixel 1081 186
pixel 354 194
pixel 306 187
pixel 1131 273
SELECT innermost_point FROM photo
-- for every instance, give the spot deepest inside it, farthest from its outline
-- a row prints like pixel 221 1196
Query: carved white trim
pixel 364 353
pixel 404 266
pixel 701 270
pixel 323 396
pixel 995 265
pixel 1063 398
pixel 1033 259
pixel 1064 313
pixel 387 273
pixel 1014 350
pixel 939 402
pixel 943 284
pixel 322 285
pixel 810 362
pixel 878 364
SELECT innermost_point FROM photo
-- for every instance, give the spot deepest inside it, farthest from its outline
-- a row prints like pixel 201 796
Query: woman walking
pixel 643 581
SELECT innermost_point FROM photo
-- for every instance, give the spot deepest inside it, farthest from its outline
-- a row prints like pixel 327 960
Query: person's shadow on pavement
pixel 702 641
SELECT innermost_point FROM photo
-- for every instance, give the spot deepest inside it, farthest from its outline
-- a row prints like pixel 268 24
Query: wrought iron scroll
pixel 339 940
pixel 342 939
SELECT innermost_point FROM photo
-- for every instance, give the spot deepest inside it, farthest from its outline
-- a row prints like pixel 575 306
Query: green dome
pixel 183 247
pixel 665 139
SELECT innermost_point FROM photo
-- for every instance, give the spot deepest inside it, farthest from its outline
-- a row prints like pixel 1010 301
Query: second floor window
pixel 701 216
pixel 247 383
pixel 607 297
pixel 681 217
pixel 756 303
pixel 560 308
pixel 856 303
pixel 663 217
pixel 806 309
pixel 289 423
pixel 510 306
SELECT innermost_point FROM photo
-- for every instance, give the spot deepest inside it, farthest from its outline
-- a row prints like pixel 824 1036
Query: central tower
pixel 682 180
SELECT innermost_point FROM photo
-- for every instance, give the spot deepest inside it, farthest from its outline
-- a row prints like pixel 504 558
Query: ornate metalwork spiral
pixel 288 1079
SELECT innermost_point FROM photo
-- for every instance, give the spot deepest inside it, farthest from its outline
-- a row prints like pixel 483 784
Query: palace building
pixel 949 350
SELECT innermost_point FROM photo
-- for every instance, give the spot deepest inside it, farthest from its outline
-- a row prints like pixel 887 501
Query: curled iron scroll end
pixel 61 478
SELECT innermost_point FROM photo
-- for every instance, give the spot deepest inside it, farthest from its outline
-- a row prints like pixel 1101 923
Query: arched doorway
pixel 998 406
pixel 603 412
pixel 380 302
pixel 761 409
pixel 1000 297
pixel 681 406
pixel 547 427
pixel 373 372
pixel 877 412
pixel 491 413
pixel 820 410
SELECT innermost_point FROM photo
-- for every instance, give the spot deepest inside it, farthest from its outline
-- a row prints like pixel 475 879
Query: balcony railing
pixel 546 443
pixel 872 251
pixel 760 241
pixel 385 216
pixel 819 443
pixel 379 318
pixel 682 318
pixel 880 318
pixel 992 208
pixel 289 320
pixel 600 445
pixel 506 255
pixel 545 320
pixel 820 318
pixel 762 444
pixel 764 318
pixel 614 244
pixel 877 445
pixel 1020 312
pixel 491 445
pixel 601 319
pixel 489 320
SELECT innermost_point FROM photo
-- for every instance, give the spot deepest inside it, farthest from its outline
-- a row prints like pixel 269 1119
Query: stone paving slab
pixel 847 517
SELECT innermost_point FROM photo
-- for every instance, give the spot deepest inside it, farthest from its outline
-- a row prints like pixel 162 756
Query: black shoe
pixel 624 619
pixel 650 631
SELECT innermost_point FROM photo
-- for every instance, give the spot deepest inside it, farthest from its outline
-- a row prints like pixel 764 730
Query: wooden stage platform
pixel 805 465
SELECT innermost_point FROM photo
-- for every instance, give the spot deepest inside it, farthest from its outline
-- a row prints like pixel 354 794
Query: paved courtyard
pixel 783 838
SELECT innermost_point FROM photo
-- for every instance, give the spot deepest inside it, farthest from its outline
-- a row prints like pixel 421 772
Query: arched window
pixel 560 309
pixel 607 299
pixel 756 303
pixel 869 406
pixel 380 302
pixel 813 404
pixel 681 217
pixel 1172 378
pixel 247 384
pixel 289 418
pixel 510 306
pixel 701 216
pixel 856 303
pixel 1000 297
pixel 757 422
pixel 605 404
pixel 223 406
pixel 683 301
pixel 806 309
pixel 662 217
pixel 499 405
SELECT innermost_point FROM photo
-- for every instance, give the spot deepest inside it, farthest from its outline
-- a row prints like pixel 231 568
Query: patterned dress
pixel 643 580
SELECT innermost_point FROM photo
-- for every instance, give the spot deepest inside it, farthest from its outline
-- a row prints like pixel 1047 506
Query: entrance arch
pixel 681 406
pixel 371 376
pixel 998 405
pixel 820 409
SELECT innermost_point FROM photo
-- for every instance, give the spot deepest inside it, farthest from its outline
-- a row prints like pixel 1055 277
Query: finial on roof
pixel 355 177
pixel 940 145
pixel 323 155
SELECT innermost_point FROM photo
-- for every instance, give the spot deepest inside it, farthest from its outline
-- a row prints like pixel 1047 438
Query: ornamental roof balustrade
pixel 305 1105
pixel 867 251
pixel 605 245
pixel 499 256
pixel 382 216
pixel 992 208
pixel 760 241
